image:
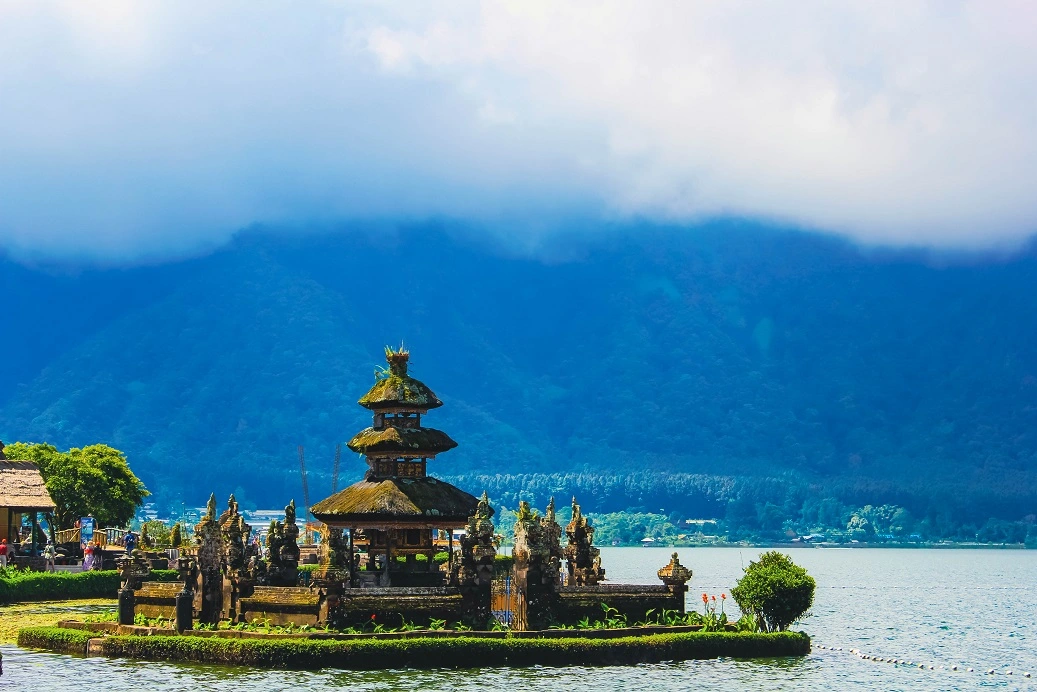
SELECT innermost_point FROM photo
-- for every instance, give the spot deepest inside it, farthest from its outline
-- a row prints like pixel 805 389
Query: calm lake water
pixel 970 608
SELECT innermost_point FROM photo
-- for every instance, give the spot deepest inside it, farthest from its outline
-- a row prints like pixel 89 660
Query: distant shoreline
pixel 835 546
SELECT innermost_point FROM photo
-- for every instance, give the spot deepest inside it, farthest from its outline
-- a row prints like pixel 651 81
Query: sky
pixel 132 129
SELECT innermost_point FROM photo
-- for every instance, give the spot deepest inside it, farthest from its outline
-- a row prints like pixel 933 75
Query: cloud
pixel 147 127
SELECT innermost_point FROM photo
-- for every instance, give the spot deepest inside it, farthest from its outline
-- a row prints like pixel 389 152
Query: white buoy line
pixel 921 666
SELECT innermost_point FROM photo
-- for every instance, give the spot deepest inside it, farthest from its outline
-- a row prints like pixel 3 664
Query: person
pixel 98 556
pixel 3 554
pixel 130 541
pixel 48 556
pixel 88 557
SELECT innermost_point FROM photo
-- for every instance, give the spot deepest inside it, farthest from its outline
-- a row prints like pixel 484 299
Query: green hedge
pixel 55 639
pixel 16 585
pixel 164 575
pixel 433 652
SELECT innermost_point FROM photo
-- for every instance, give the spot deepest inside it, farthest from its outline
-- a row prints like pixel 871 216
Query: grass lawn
pixel 46 613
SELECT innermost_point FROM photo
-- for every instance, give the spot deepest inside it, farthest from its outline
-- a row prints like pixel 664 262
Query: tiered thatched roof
pixel 401 441
pixel 22 487
pixel 395 389
pixel 406 500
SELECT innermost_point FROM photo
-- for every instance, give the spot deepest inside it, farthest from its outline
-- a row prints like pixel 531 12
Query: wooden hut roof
pixel 401 441
pixel 397 500
pixel 22 487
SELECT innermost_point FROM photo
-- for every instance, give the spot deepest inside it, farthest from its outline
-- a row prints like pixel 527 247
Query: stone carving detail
pixel 538 542
pixel 235 533
pixel 283 548
pixel 209 542
pixel 675 575
pixel 474 572
pixel 583 559
pixel 333 556
pixel 477 548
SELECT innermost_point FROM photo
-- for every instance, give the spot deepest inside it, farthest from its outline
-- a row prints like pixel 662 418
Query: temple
pixel 382 541
pixel 397 509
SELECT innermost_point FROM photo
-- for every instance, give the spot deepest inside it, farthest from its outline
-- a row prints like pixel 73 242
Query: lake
pixel 970 608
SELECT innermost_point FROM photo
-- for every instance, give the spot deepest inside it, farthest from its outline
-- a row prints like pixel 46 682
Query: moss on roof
pixel 394 391
pixel 401 441
pixel 397 498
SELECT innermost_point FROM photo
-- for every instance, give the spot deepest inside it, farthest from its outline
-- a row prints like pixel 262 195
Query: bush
pixel 425 652
pixel 57 586
pixel 774 590
pixel 164 575
pixel 55 639
pixel 456 651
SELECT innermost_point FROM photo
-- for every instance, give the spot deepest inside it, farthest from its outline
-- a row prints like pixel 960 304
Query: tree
pixel 175 537
pixel 95 480
pixel 775 590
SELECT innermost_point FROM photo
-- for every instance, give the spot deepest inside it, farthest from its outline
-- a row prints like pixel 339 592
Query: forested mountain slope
pixel 727 353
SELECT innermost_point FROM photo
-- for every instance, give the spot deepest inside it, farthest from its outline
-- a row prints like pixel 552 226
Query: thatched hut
pixel 22 492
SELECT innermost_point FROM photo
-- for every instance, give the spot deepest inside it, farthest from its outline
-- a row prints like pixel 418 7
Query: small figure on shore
pixel 49 555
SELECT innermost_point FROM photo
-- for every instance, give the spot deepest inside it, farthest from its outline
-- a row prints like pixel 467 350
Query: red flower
pixel 705 598
pixel 713 597
pixel 723 596
pixel 372 616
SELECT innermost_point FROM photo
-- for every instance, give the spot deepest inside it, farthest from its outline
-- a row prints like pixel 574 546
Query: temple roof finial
pixel 397 360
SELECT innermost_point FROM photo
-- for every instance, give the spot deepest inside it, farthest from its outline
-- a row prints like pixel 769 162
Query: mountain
pixel 694 362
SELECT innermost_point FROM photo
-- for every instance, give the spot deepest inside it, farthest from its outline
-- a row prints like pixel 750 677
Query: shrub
pixel 454 651
pixel 54 639
pixel 57 586
pixel 775 591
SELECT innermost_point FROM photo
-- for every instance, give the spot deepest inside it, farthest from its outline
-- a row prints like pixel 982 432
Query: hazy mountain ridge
pixel 724 353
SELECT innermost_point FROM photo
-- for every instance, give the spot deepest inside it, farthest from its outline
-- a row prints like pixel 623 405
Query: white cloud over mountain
pixel 136 127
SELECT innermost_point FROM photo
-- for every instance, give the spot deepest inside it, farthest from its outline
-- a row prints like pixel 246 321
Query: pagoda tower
pixel 397 507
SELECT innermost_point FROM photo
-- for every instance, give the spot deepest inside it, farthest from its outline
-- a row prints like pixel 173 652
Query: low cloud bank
pixel 132 129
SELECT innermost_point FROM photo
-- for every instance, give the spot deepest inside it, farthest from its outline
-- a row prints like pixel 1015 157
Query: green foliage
pixel 94 480
pixel 57 639
pixel 775 590
pixel 17 585
pixel 176 537
pixel 164 575
pixel 438 652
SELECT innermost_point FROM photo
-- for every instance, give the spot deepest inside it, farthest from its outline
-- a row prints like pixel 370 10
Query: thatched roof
pixel 399 392
pixel 22 487
pixel 396 389
pixel 397 499
pixel 401 441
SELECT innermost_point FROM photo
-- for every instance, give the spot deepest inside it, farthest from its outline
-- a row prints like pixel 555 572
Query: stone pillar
pixel 126 602
pixel 536 571
pixel 475 571
pixel 210 565
pixel 676 577
pixel 184 609
pixel 582 556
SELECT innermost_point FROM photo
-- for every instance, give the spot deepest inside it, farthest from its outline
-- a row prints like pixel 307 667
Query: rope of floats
pixel 922 666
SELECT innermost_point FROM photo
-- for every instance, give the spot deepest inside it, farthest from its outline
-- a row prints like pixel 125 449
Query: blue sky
pixel 140 128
